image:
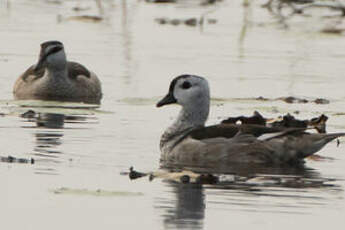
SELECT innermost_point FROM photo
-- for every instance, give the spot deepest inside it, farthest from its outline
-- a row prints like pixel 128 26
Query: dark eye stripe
pixel 186 85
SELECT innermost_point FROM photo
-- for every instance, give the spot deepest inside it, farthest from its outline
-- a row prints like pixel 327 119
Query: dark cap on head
pixel 169 98
pixel 44 45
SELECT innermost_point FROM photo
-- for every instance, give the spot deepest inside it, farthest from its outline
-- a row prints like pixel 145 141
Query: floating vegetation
pixel 293 100
pixel 303 179
pixel 98 192
pixel 288 99
pixel 184 176
pixel 11 159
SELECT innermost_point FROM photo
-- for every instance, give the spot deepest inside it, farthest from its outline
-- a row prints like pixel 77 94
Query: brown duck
pixel 55 78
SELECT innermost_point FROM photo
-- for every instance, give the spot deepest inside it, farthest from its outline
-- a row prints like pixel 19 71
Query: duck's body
pixel 188 142
pixel 55 78
pixel 282 149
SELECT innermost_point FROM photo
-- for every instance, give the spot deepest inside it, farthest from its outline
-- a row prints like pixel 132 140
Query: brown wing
pixel 31 72
pixel 75 69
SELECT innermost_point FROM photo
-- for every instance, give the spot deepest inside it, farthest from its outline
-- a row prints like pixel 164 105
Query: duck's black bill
pixel 168 99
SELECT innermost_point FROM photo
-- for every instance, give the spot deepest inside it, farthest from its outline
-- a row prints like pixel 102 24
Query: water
pixel 76 181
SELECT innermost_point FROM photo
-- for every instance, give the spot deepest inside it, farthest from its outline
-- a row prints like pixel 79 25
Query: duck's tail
pixel 309 144
pixel 296 147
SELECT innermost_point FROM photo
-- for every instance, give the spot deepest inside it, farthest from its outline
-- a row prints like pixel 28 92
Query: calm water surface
pixel 80 151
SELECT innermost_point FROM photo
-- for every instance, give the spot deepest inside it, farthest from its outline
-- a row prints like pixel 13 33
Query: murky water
pixel 80 151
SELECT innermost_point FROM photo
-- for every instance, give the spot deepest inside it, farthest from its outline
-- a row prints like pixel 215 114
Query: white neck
pixel 191 117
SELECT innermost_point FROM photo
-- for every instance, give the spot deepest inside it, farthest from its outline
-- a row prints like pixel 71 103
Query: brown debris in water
pixel 249 182
pixel 188 22
pixel 332 30
pixel 87 18
pixel 292 100
pixel 135 174
pixel 11 159
pixel 161 1
pixel 184 177
pixel 321 101
pixel 29 114
pixel 78 8
pixel 202 3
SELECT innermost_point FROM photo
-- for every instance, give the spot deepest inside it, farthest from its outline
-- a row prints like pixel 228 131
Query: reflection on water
pixel 187 210
pixel 47 143
pixel 248 170
pixel 50 120
pixel 284 190
pixel 49 132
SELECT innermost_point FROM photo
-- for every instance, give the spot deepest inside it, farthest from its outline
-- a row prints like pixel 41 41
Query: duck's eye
pixel 186 85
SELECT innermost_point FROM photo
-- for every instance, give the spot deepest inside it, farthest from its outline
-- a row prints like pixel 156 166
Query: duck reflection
pixel 188 211
pixel 291 189
pixel 49 132
pixel 50 120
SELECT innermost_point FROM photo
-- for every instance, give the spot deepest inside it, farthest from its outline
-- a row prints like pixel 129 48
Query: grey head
pixel 52 56
pixel 187 90
pixel 193 94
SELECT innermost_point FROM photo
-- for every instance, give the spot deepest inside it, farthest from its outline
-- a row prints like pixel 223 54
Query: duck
pixel 56 78
pixel 188 142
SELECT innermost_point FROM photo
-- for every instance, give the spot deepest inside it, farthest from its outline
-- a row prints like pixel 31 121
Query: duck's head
pixel 187 91
pixel 52 56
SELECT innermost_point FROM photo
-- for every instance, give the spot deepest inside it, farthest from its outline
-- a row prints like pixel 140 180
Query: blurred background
pixel 254 55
